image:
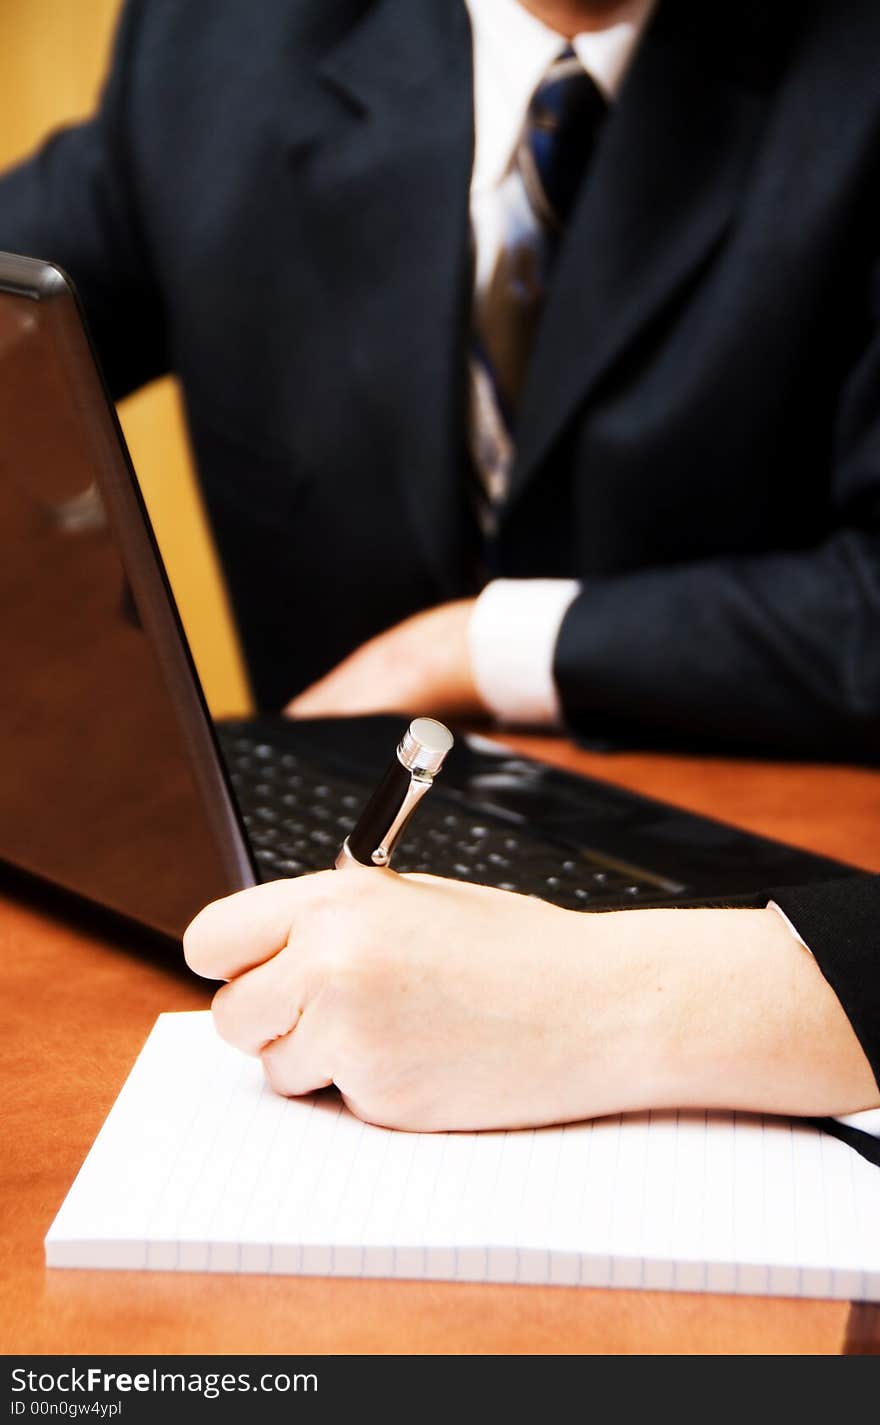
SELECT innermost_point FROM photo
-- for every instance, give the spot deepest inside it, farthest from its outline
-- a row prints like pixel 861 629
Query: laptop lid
pixel 110 786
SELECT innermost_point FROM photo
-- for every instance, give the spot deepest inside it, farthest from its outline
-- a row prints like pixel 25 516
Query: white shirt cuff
pixel 512 638
pixel 868 1121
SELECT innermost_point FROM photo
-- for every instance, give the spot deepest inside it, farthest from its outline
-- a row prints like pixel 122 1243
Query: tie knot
pixel 561 128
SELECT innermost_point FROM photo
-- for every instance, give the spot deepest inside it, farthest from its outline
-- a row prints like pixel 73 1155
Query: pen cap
pixel 410 773
pixel 424 746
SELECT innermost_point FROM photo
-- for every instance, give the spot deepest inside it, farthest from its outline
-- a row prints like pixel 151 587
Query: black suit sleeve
pixel 840 922
pixel 73 203
pixel 776 651
pixel 779 652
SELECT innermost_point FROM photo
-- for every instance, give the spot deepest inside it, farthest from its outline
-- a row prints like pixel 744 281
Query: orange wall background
pixel 52 60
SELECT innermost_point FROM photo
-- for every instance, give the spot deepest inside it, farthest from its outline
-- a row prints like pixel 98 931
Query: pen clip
pixel 418 786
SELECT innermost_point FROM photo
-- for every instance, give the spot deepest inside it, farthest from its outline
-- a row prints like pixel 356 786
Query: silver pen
pixel 420 754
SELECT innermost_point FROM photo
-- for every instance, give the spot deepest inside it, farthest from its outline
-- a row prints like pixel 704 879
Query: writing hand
pixel 435 1004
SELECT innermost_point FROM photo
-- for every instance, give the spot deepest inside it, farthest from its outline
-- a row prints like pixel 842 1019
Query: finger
pixel 233 935
pixel 333 691
pixel 260 1006
pixel 348 697
pixel 313 700
pixel 368 680
pixel 299 1062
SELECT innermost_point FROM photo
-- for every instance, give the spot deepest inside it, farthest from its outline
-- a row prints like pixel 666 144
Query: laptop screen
pixel 96 791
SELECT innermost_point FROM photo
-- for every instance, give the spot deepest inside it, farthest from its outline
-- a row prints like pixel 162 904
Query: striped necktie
pixel 557 140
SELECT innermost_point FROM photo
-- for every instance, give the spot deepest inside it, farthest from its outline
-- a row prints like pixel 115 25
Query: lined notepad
pixel 201 1167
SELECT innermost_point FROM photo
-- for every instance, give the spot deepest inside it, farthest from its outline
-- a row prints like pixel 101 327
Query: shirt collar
pixel 512 48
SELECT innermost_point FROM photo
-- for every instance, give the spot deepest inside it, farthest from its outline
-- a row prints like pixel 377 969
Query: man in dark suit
pixel 588 427
pixel 278 206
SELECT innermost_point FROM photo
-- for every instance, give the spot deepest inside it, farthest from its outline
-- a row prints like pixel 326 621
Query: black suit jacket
pixel 273 202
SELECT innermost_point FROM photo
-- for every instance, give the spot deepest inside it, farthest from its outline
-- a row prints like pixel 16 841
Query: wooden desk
pixel 76 1009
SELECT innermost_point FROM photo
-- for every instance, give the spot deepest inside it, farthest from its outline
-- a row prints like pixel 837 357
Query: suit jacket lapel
pixel 383 143
pixel 662 191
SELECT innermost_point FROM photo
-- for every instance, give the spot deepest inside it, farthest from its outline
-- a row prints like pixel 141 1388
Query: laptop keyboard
pixel 296 818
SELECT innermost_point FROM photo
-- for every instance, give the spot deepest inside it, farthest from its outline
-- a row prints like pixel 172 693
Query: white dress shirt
pixel 516 622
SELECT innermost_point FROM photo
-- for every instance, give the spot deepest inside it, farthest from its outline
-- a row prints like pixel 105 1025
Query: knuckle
pixel 221 1011
pixel 274 1077
pixel 276 1069
pixel 363 1062
pixel 338 958
pixel 321 894
pixel 339 953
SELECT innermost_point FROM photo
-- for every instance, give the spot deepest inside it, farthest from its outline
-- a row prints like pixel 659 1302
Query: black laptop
pixel 116 784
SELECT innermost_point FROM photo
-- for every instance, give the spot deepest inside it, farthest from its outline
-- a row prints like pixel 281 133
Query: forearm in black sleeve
pixel 72 204
pixel 839 921
pixel 777 652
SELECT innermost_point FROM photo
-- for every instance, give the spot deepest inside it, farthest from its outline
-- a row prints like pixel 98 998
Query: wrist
pixel 714 994
pixel 612 1013
pixel 725 1009
pixel 441 654
pixel 513 631
pixel 670 1013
